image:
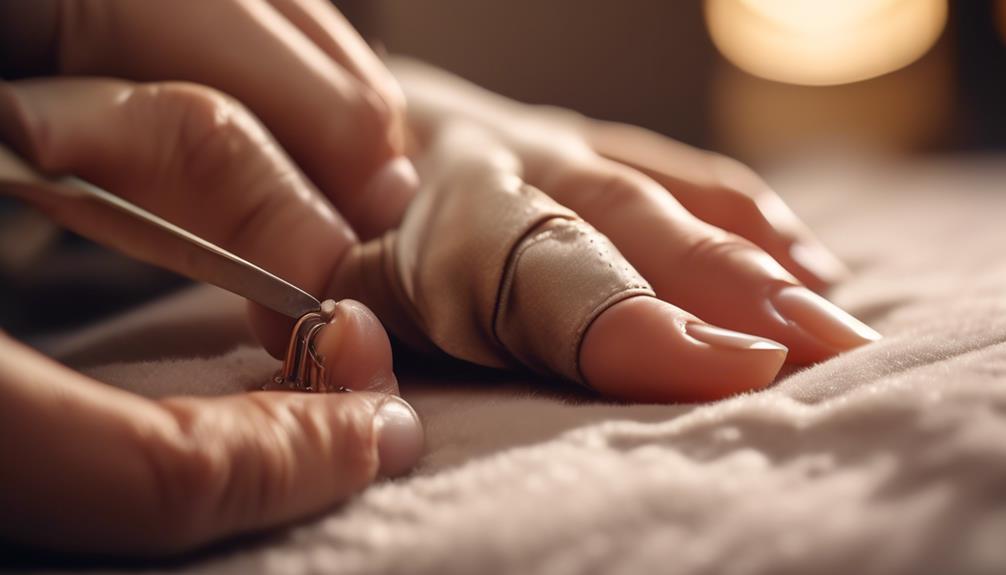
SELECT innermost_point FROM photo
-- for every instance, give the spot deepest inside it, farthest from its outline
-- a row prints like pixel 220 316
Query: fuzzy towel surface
pixel 889 459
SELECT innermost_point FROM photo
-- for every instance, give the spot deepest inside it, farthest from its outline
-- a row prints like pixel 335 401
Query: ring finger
pixel 717 275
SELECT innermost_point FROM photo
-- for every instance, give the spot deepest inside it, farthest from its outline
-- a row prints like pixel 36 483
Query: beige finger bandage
pixel 558 280
pixel 492 271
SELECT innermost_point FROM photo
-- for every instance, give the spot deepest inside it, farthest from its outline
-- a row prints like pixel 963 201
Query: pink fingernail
pixel 725 338
pixel 399 437
pixel 822 319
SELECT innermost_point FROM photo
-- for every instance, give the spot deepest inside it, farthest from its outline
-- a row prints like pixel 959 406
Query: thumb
pixel 110 472
pixel 246 462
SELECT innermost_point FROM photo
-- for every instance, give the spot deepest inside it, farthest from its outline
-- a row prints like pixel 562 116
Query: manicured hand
pixel 713 240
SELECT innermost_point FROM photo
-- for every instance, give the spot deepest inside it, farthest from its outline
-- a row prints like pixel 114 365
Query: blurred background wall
pixel 653 63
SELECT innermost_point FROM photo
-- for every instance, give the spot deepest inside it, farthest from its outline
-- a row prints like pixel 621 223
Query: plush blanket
pixel 889 459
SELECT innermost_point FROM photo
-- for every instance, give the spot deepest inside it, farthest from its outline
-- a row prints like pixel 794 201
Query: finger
pixel 692 264
pixel 634 346
pixel 341 128
pixel 353 347
pixel 495 272
pixel 192 156
pixel 718 190
pixel 716 275
pixel 188 154
pixel 336 37
pixel 645 349
pixel 142 477
pixel 379 205
pixel 724 193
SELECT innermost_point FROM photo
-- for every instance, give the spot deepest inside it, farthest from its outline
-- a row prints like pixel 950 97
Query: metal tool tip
pixel 328 309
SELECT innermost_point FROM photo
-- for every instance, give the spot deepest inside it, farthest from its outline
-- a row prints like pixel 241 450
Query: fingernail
pixel 725 338
pixel 821 319
pixel 399 437
pixel 817 260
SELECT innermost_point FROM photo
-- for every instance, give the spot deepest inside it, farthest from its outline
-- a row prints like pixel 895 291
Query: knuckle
pixel 223 156
pixel 221 471
pixel 756 209
pixel 217 471
pixel 213 134
pixel 352 444
pixel 716 247
pixel 740 194
pixel 742 206
pixel 189 474
pixel 266 462
pixel 614 192
pixel 737 181
pixel 365 133
pixel 187 98
pixel 300 435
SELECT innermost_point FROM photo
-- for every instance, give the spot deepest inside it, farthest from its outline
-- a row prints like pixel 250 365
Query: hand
pixel 299 67
pixel 296 64
pixel 157 477
pixel 85 467
pixel 89 468
pixel 479 152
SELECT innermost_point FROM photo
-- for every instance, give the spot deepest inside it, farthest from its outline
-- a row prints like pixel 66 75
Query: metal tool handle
pixel 128 228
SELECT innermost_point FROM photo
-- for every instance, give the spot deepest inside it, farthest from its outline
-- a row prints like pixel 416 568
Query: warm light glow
pixel 1001 11
pixel 820 42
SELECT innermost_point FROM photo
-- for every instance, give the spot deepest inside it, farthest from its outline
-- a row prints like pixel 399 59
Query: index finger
pixel 340 127
pixel 193 157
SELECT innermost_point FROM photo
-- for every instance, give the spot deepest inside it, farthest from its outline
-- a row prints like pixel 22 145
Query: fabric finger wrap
pixel 492 271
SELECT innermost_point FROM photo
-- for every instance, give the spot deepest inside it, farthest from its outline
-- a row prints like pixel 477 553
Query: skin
pixel 161 477
pixel 644 192
pixel 296 64
pixel 106 471
pixel 286 178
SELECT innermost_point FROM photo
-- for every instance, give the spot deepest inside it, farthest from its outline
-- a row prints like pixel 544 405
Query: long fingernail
pixel 399 437
pixel 725 338
pixel 821 319
pixel 820 262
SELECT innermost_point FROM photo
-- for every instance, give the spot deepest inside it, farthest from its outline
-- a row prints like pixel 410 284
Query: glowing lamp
pixel 822 42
